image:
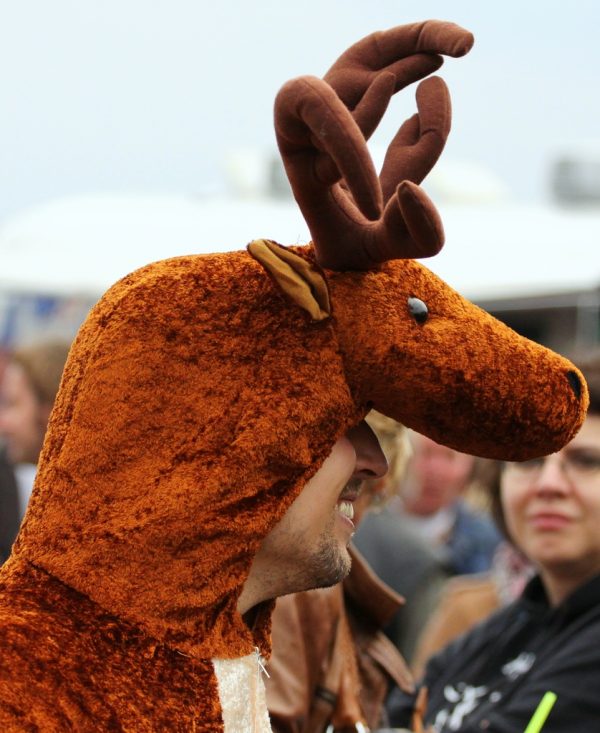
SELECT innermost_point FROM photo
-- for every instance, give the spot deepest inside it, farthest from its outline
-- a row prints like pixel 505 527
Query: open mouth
pixel 345 504
pixel 346 508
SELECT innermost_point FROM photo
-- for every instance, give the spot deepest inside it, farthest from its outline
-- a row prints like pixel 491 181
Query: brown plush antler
pixel 322 141
pixel 368 73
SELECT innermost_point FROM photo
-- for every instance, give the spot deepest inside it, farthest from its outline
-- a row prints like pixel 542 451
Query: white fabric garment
pixel 242 694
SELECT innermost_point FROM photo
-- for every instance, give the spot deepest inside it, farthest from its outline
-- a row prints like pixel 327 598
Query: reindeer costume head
pixel 203 392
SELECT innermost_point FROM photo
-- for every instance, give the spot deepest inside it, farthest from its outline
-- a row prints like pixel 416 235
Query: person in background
pixel 397 552
pixel 9 496
pixel 433 501
pixel 331 663
pixel 9 507
pixel 27 392
pixel 468 599
pixel 426 535
pixel 494 677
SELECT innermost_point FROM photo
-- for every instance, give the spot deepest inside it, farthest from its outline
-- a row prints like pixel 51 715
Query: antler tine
pixel 320 143
pixel 312 126
pixel 368 73
pixel 372 70
pixel 420 140
pixel 320 136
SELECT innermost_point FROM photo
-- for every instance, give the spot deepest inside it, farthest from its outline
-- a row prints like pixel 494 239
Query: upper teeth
pixel 346 508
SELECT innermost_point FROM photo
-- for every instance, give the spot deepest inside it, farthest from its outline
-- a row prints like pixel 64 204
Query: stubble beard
pixel 331 565
pixel 326 565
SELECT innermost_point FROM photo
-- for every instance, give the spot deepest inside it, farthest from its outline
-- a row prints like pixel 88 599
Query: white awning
pixel 81 245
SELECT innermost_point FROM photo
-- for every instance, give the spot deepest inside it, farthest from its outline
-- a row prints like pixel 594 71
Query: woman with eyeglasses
pixel 495 676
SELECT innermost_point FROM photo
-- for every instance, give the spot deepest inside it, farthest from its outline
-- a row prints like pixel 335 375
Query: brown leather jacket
pixel 331 663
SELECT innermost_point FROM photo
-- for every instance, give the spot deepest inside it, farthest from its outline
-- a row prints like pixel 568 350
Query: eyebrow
pixel 582 447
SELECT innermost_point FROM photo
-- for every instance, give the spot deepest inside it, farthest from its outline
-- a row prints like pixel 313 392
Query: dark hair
pixel 43 364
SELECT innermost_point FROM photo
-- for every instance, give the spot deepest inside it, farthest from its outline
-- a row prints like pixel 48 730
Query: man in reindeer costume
pixel 208 437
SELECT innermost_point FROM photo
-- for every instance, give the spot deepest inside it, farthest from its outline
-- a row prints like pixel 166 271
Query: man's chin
pixel 327 566
pixel 332 566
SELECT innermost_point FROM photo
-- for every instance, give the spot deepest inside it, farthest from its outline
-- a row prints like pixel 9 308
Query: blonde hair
pixel 394 441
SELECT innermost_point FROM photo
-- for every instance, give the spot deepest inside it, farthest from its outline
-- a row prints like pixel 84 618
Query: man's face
pixel 308 547
pixel 437 475
pixel 23 419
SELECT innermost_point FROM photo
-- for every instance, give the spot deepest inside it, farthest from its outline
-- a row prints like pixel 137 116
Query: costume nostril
pixel 575 383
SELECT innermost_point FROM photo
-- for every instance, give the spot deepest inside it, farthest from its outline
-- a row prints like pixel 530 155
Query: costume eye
pixel 418 310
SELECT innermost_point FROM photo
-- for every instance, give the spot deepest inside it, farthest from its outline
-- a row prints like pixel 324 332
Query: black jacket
pixel 10 516
pixel 493 677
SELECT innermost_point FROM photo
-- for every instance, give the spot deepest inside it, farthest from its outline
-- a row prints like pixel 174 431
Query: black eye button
pixel 418 310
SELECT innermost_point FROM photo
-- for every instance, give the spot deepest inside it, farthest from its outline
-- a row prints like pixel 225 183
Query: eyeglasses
pixel 580 466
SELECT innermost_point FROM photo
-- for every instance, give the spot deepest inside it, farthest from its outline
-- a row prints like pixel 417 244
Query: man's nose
pixel 370 460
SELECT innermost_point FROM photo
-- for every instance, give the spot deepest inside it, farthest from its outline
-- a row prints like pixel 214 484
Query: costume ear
pixel 299 279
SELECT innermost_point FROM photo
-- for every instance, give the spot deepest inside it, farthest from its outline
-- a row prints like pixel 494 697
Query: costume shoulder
pixel 66 664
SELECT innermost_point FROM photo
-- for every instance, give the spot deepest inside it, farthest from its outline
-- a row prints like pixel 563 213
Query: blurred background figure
pixel 27 391
pixel 9 496
pixel 494 676
pixel 10 512
pixel 466 600
pixel 395 550
pixel 427 534
pixel 331 663
pixel 433 500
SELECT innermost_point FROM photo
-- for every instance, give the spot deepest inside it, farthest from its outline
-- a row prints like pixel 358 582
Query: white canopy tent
pixel 81 245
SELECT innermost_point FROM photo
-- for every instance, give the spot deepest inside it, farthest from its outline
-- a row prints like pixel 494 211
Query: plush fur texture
pixel 73 666
pixel 197 400
pixel 172 453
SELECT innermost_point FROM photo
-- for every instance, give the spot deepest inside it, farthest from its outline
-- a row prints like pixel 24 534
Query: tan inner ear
pixel 298 279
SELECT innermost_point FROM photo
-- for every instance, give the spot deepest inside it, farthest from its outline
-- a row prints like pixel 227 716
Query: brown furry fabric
pixel 196 432
pixel 169 455
pixel 73 666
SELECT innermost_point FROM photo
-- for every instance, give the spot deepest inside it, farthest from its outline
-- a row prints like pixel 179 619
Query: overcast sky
pixel 148 95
